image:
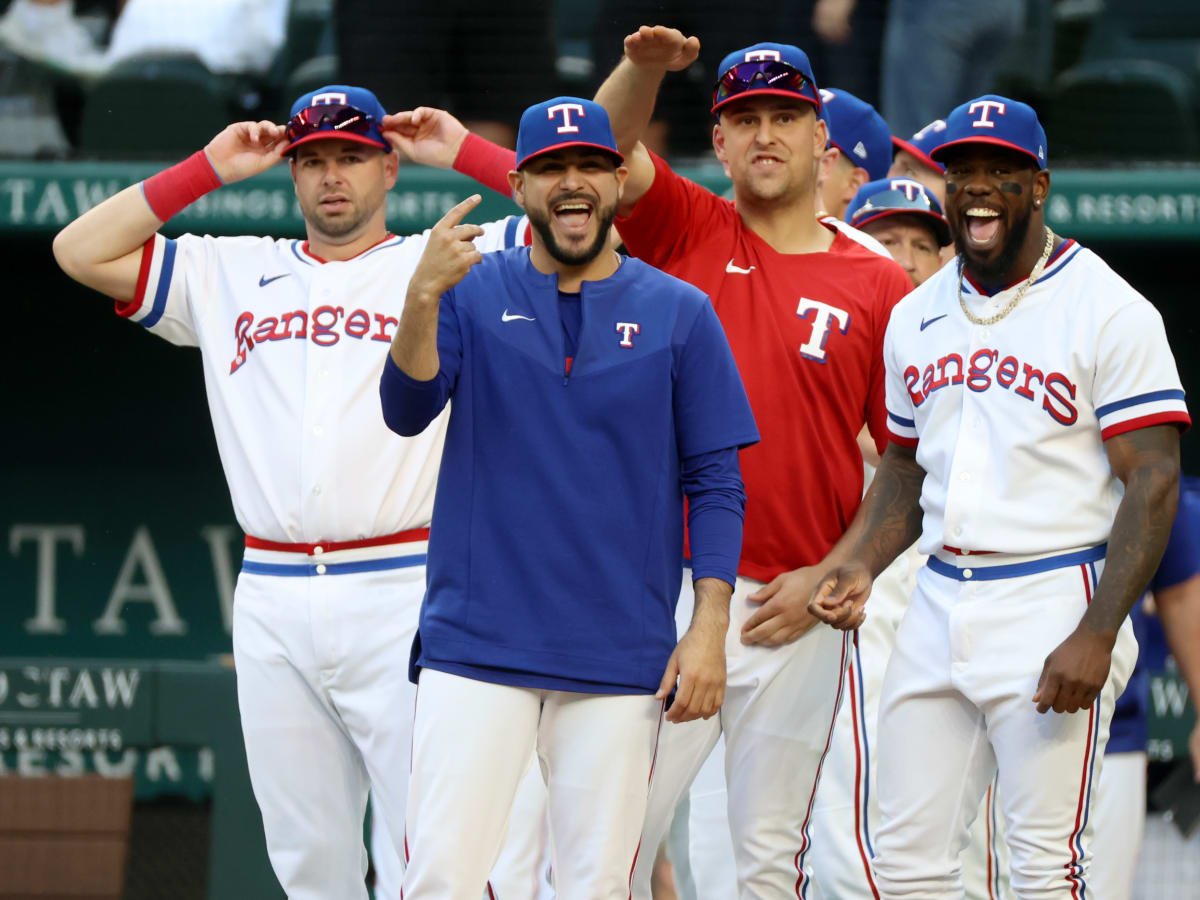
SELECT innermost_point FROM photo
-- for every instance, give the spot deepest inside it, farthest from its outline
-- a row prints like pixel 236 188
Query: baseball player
pixel 292 337
pixel 604 391
pixel 909 222
pixel 797 296
pixel 911 159
pixel 804 307
pixel 860 150
pixel 1024 386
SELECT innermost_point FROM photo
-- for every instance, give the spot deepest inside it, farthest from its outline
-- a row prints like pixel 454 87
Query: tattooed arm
pixel 1147 461
pixel 886 524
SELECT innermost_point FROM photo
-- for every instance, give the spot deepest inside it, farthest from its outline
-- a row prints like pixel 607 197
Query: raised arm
pixel 1147 461
pixel 629 94
pixel 102 248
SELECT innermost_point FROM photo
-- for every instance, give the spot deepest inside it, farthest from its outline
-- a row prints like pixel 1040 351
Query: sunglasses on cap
pixel 760 75
pixel 337 116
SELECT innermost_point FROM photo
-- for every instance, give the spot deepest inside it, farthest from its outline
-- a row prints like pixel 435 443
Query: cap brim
pixel 340 136
pixel 939 150
pixel 773 92
pixel 914 150
pixel 941 228
pixel 609 150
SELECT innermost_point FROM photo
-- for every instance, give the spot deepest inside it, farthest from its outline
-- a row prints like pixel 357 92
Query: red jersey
pixel 807 333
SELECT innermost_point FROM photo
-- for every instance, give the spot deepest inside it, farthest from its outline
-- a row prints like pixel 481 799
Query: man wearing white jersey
pixel 1025 385
pixel 293 336
pixel 908 220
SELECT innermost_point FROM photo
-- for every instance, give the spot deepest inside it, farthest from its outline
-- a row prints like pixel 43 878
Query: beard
pixel 540 220
pixel 996 271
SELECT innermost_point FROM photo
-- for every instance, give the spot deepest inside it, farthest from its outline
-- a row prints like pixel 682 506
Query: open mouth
pixel 573 216
pixel 766 162
pixel 983 227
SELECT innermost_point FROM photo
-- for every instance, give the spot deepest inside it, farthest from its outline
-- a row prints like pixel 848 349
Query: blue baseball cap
pixel 779 70
pixel 309 121
pixel 857 130
pixel 898 196
pixel 992 119
pixel 922 142
pixel 564 122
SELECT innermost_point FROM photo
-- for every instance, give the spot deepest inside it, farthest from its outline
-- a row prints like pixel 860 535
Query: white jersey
pixel 1009 419
pixel 292 349
pixel 856 235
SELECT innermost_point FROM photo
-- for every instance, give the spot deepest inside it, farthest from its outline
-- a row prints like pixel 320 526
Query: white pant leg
pixel 985 862
pixel 598 754
pixel 472 742
pixel 683 749
pixel 778 717
pixel 935 761
pixel 522 871
pixel 1120 817
pixel 1048 763
pixel 308 777
pixel 712 866
pixel 389 870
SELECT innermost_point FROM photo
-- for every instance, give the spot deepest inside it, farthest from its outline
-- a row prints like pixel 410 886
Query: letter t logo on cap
pixel 567 127
pixel 987 106
pixel 762 55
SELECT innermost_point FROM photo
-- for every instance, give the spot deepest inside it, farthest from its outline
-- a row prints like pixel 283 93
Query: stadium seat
pixel 158 106
pixel 1121 109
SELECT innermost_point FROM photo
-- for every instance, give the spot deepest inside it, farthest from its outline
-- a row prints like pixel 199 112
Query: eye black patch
pixel 1011 187
pixel 951 187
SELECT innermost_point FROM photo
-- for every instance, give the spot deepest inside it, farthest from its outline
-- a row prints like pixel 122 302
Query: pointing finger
pixel 458 212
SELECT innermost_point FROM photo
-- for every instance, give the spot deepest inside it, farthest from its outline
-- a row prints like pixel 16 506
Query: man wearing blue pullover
pixel 591 395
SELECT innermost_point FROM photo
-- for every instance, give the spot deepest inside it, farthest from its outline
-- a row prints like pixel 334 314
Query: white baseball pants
pixel 846 814
pixel 777 720
pixel 956 708
pixel 1120 815
pixel 472 742
pixel 326 706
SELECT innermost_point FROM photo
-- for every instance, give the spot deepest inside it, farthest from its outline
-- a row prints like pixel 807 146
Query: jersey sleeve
pixel 669 217
pixel 1136 383
pixel 712 411
pixel 503 234
pixel 901 415
pixel 173 272
pixel 893 286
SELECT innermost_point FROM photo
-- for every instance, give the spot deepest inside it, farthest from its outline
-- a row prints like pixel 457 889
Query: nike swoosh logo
pixel 737 270
pixel 263 280
pixel 507 317
pixel 925 324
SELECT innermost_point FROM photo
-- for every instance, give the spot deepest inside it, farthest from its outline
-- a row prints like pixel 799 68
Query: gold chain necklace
pixel 1012 304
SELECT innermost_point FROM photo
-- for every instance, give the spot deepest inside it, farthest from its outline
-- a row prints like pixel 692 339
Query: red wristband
pixel 172 189
pixel 487 163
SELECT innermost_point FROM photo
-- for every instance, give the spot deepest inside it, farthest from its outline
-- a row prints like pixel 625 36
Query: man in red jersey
pixel 804 307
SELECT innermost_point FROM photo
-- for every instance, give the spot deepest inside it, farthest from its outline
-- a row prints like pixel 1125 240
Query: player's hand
pixel 659 47
pixel 429 136
pixel 698 662
pixel 1075 671
pixel 831 20
pixel 784 614
pixel 246 148
pixel 448 255
pixel 841 596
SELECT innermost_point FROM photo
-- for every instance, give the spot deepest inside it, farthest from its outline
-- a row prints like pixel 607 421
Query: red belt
pixel 400 537
pixel 958 552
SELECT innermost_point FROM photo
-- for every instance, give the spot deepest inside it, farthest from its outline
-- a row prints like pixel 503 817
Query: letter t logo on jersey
pixel 627 330
pixel 567 127
pixel 824 316
pixel 987 106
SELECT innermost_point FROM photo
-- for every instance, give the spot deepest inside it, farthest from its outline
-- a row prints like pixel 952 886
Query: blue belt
pixel 343 568
pixel 1015 570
